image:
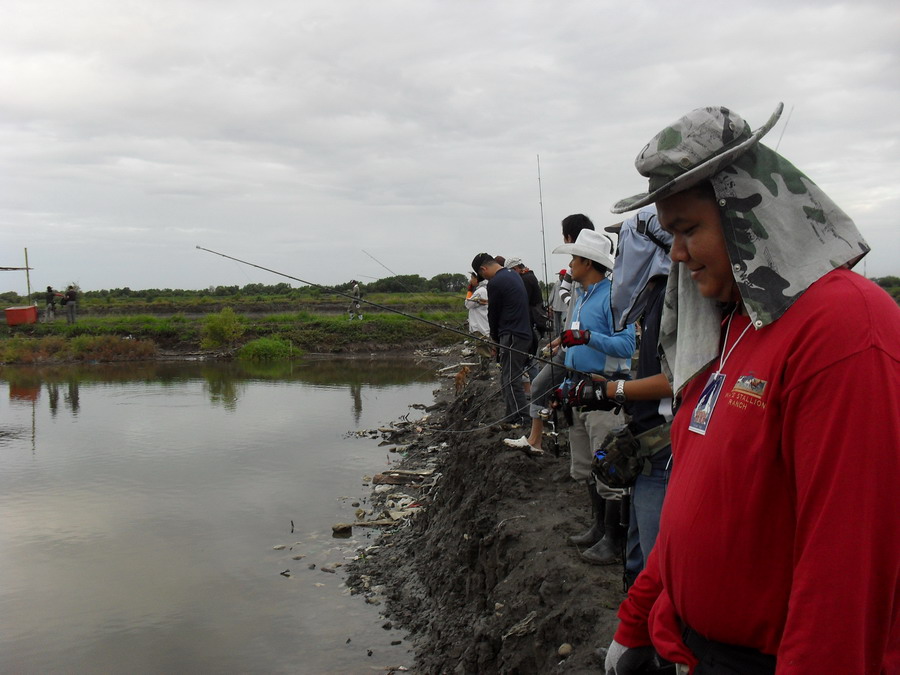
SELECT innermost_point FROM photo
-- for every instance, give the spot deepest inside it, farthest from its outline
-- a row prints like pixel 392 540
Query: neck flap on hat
pixel 782 234
pixel 638 260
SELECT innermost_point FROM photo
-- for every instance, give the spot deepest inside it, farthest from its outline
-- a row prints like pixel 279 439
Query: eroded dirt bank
pixel 483 576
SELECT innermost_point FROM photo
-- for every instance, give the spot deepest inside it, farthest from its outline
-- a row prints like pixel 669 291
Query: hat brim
pixel 588 252
pixel 709 168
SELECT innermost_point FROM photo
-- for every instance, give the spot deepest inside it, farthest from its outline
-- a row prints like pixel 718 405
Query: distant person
pixel 538 317
pixel 473 282
pixel 510 327
pixel 557 304
pixel 353 309
pixel 50 297
pixel 571 227
pixel 535 298
pixel 477 304
pixel 70 299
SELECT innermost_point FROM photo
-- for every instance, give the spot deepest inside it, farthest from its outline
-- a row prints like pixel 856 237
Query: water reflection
pixel 145 510
pixel 224 383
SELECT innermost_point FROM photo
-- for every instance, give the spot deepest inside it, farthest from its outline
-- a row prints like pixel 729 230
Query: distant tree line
pixel 891 285
pixel 413 283
pixel 404 283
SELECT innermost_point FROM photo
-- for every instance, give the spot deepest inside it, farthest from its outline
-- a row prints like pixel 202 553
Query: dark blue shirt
pixel 645 414
pixel 508 310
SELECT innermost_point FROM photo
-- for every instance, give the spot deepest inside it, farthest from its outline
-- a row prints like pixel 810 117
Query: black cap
pixel 481 259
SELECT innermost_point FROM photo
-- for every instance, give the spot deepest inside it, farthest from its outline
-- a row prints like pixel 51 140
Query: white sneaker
pixel 523 444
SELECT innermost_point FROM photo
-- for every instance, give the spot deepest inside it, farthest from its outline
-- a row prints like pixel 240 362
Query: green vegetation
pixel 410 289
pixel 263 330
pixel 221 330
pixel 257 323
pixel 891 285
pixel 268 349
pixel 54 349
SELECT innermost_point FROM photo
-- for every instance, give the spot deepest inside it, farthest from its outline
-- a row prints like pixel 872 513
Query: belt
pixel 719 657
pixel 653 440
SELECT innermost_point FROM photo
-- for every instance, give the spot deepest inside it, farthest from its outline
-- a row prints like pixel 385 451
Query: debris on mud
pixel 476 565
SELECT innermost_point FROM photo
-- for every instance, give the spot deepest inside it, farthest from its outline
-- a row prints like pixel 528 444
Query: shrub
pixel 267 349
pixel 221 329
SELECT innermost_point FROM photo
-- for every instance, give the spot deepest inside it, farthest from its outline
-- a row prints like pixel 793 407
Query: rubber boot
pixel 608 550
pixel 598 529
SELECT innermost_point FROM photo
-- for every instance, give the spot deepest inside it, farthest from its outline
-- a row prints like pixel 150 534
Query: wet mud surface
pixel 480 572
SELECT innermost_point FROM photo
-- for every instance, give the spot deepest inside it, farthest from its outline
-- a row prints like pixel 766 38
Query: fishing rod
pixel 543 238
pixel 435 324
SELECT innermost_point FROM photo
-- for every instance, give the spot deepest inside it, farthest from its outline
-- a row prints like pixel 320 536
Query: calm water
pixel 139 508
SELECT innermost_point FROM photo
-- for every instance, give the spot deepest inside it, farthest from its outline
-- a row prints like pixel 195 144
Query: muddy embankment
pixel 483 576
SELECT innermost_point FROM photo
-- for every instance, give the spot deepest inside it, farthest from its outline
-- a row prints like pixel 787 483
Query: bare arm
pixel 650 388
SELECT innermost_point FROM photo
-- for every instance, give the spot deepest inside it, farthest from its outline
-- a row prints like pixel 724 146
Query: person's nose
pixel 678 253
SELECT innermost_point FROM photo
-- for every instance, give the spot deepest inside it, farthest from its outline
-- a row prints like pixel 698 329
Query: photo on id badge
pixel 706 404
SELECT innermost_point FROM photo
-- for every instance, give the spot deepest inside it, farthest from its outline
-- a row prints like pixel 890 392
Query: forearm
pixel 634 612
pixel 620 345
pixel 645 389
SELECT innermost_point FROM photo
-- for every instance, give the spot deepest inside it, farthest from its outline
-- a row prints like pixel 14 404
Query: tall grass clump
pixel 55 349
pixel 110 348
pixel 221 329
pixel 267 349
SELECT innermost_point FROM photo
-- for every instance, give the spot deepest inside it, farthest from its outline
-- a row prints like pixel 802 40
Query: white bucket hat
pixel 592 245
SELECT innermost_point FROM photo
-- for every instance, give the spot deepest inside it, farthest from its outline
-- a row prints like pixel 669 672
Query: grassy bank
pixel 227 333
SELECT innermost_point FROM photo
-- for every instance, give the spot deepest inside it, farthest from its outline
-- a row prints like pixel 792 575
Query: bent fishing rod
pixel 385 308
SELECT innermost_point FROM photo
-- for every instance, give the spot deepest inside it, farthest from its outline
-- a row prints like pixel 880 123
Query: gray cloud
pixel 300 135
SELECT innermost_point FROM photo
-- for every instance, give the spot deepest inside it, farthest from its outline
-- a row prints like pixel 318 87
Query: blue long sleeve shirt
pixel 607 352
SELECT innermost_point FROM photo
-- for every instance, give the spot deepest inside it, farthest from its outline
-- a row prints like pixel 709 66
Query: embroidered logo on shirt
pixel 750 385
pixel 747 393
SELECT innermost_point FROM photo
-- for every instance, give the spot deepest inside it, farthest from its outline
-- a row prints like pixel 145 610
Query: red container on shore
pixel 18 315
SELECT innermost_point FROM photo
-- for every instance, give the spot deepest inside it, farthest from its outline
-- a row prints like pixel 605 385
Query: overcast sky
pixel 338 139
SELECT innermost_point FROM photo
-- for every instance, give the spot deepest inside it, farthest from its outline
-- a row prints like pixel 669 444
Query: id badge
pixel 576 325
pixel 706 404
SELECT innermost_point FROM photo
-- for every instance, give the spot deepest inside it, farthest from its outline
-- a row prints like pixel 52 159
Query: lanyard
pixel 584 299
pixel 703 412
pixel 723 357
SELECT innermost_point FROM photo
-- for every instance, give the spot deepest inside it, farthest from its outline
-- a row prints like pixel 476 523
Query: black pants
pixel 512 365
pixel 718 658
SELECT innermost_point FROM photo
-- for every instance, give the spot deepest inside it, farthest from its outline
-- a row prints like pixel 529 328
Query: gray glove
pixel 622 660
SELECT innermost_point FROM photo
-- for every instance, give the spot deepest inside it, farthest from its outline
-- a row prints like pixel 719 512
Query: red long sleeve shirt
pixel 781 526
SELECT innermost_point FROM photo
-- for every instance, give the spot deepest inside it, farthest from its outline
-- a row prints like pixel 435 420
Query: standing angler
pixel 509 319
pixel 593 346
pixel 779 542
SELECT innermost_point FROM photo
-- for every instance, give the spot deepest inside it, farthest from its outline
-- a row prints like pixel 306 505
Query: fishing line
pixel 397 279
pixel 396 276
pixel 784 128
pixel 451 430
pixel 435 324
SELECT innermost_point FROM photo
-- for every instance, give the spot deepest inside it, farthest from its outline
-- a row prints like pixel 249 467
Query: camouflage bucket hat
pixel 694 148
